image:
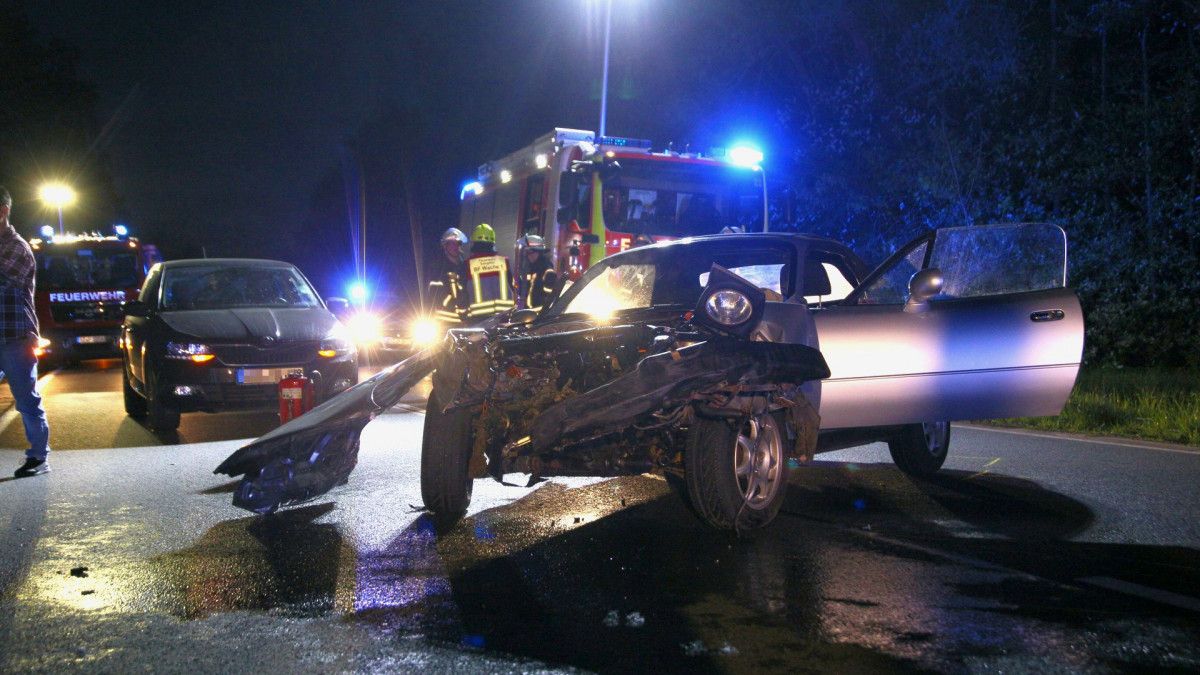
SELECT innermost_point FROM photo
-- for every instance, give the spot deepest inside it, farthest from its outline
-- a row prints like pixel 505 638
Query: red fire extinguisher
pixel 295 396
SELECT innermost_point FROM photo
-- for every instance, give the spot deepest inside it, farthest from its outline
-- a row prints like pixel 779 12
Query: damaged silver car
pixel 716 360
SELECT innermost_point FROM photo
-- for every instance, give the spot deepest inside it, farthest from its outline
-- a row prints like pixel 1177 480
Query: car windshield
pixel 72 268
pixel 225 287
pixel 674 275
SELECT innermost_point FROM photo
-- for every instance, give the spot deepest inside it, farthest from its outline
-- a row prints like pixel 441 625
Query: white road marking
pixel 1138 590
pixel 1126 443
pixel 1126 587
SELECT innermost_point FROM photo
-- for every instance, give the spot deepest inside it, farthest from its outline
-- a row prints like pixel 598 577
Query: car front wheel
pixel 161 416
pixel 445 456
pixel 135 405
pixel 920 450
pixel 736 471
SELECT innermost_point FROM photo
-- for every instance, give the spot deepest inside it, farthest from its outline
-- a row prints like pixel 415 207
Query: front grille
pixel 70 312
pixel 251 355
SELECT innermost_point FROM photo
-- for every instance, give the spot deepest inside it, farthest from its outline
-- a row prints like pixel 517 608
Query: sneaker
pixel 32 467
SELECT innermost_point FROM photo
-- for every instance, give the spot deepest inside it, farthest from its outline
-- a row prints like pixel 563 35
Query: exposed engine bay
pixel 603 400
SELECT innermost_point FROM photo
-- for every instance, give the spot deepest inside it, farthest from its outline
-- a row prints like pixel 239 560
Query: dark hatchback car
pixel 219 334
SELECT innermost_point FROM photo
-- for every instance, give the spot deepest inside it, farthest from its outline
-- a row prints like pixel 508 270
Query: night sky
pixel 233 117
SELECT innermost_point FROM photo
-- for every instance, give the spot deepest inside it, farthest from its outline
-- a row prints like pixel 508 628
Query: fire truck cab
pixel 590 197
pixel 83 283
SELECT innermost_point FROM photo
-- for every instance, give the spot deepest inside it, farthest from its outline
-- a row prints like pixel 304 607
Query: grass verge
pixel 1153 405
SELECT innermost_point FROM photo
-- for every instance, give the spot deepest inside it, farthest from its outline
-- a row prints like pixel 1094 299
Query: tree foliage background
pixel 919 115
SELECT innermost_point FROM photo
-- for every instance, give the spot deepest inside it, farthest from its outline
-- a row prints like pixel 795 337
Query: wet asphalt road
pixel 1029 555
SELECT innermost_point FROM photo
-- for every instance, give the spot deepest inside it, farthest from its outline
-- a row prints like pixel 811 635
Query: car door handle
pixel 1046 315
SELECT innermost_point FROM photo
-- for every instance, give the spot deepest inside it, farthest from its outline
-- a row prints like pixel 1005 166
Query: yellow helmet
pixel 484 232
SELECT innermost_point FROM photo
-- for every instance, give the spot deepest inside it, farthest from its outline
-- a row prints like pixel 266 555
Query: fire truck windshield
pixel 77 268
pixel 680 199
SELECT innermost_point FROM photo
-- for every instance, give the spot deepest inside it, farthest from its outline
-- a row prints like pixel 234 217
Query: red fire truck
pixel 83 283
pixel 590 197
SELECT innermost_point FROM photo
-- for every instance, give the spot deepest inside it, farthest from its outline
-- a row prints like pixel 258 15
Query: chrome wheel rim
pixel 758 462
pixel 935 434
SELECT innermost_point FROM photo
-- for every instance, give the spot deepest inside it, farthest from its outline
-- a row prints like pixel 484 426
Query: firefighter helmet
pixel 454 234
pixel 532 242
pixel 483 233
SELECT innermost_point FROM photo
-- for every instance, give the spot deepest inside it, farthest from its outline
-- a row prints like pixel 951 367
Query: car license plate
pixel 389 341
pixel 91 339
pixel 262 375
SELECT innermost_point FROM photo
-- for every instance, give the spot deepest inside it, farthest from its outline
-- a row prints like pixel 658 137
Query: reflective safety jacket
pixel 539 284
pixel 446 294
pixel 490 286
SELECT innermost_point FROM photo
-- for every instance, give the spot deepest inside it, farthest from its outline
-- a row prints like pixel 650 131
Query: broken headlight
pixel 728 307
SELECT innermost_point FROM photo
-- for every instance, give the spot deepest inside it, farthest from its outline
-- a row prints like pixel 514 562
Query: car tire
pixel 736 470
pixel 445 457
pixel 162 417
pixel 921 449
pixel 135 405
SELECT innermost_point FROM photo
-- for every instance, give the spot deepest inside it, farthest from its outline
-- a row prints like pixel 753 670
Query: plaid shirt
pixel 18 319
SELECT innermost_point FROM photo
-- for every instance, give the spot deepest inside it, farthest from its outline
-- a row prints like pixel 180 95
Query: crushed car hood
pixel 317 451
pixel 245 323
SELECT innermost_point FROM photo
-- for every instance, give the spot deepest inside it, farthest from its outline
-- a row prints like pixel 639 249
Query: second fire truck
pixel 83 283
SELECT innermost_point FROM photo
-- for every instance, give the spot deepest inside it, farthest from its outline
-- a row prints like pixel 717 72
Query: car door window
pixel 890 286
pixel 1000 259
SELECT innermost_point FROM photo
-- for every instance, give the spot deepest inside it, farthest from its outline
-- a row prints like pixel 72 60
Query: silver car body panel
pixel 970 358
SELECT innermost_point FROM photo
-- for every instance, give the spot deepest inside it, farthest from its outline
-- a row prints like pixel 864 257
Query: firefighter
pixel 540 277
pixel 446 294
pixel 490 289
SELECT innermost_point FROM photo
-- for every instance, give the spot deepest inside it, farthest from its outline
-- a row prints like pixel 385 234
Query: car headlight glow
pixel 42 347
pixel 337 343
pixel 190 351
pixel 365 327
pixel 425 333
pixel 728 307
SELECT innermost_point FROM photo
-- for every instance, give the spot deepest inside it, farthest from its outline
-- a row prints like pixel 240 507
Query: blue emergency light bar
pixel 619 142
pixel 474 188
pixel 745 155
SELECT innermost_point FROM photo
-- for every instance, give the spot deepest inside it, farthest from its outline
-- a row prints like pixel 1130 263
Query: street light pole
pixel 604 81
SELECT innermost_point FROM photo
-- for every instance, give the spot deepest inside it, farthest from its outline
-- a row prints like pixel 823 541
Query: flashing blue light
pixel 120 230
pixel 48 231
pixel 474 187
pixel 746 155
pixel 358 291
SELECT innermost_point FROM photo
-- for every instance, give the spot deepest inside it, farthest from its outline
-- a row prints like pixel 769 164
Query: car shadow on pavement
pixel 620 576
pixel 881 496
pixel 286 562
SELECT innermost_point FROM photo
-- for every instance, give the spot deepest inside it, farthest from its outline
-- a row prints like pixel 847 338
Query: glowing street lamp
pixel 57 194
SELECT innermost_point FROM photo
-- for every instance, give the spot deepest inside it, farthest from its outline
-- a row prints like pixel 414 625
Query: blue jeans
pixel 20 369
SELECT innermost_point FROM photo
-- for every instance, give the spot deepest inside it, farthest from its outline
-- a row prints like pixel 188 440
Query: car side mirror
pixel 137 308
pixel 923 286
pixel 339 306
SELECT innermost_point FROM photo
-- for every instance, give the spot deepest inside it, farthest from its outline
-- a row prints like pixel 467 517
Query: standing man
pixel 445 290
pixel 540 277
pixel 18 338
pixel 491 286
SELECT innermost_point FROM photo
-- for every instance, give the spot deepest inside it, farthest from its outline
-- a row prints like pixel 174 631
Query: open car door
pixel 961 323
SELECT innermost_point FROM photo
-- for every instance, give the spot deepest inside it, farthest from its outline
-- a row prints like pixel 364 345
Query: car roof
pixel 787 237
pixel 225 262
